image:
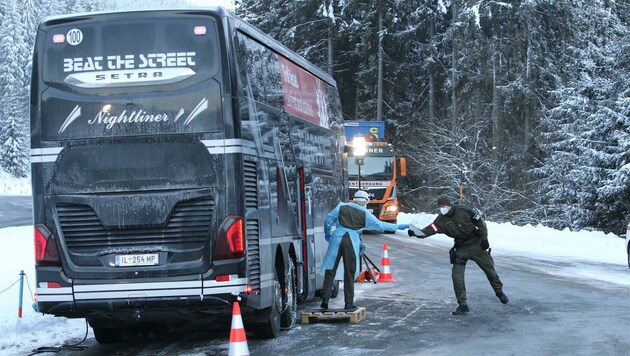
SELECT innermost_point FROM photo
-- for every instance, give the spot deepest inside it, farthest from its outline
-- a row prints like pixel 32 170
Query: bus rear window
pixel 131 55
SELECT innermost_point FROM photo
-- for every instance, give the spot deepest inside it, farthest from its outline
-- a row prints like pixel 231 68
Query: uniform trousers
pixel 473 251
pixel 346 251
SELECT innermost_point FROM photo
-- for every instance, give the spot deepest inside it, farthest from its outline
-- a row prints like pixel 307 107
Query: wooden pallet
pixel 353 317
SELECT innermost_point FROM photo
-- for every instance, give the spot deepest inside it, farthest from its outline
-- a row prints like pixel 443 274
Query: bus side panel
pixel 301 130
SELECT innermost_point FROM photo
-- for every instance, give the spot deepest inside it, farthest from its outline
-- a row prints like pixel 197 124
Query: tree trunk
pixel 496 127
pixel 379 84
pixel 454 68
pixel 529 103
pixel 331 34
pixel 432 71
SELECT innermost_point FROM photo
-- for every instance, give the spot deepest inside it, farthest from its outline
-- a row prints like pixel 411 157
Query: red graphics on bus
pixel 304 94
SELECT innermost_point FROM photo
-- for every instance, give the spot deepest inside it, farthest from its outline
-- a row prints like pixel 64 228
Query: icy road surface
pixel 552 311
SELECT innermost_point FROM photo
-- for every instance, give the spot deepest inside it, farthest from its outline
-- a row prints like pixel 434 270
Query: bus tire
pixel 270 328
pixel 289 297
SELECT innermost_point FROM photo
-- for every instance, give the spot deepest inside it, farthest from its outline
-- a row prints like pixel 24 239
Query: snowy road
pixel 551 312
pixel 16 210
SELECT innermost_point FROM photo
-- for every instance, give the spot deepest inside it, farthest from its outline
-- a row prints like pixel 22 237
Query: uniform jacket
pixel 351 219
pixel 461 223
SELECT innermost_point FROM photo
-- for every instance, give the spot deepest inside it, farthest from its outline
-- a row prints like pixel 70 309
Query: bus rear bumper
pixel 130 301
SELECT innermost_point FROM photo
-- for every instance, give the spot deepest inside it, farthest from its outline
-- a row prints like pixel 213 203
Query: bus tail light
pixel 49 285
pixel 46 253
pixel 226 277
pixel 230 239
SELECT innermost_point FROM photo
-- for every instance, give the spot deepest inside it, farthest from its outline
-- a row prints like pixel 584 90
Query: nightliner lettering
pixel 136 116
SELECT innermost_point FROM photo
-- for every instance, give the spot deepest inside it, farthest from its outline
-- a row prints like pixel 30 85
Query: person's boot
pixel 461 310
pixel 324 304
pixel 351 307
pixel 503 298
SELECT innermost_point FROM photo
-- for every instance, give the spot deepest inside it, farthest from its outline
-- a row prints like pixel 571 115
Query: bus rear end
pixel 135 218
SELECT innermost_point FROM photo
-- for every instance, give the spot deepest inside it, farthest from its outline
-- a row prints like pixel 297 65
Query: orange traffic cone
pixel 386 273
pixel 238 341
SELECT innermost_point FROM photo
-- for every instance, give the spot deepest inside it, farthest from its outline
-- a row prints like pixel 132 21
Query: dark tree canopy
pixel 529 114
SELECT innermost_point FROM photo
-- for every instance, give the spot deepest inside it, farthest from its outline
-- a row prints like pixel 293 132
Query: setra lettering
pixel 128 76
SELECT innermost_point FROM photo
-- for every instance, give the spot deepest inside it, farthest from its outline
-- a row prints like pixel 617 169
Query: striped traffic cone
pixel 238 341
pixel 386 273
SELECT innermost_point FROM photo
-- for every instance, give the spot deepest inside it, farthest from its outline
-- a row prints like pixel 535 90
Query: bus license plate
pixel 147 259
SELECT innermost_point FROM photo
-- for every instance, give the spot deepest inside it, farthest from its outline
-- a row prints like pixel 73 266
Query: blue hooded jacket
pixel 334 237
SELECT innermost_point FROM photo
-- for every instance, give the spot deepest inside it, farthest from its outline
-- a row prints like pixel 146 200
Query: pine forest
pixel 524 104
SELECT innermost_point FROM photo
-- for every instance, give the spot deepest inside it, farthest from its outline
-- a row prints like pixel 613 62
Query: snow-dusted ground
pixel 12 186
pixel 586 250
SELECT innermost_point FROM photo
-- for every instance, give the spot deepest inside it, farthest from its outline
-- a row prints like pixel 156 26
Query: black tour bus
pixel 180 159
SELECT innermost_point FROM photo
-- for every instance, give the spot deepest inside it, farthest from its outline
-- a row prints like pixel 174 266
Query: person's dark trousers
pixel 346 251
pixel 483 260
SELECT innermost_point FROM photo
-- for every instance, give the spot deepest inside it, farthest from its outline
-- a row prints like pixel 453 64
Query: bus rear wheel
pixel 289 297
pixel 270 328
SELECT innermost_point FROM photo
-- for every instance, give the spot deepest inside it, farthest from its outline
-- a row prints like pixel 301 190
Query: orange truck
pixel 377 171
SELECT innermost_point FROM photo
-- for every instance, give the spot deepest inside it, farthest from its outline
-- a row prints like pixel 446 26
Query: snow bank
pixel 9 185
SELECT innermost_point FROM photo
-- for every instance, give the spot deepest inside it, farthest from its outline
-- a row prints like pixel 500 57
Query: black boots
pixel 503 298
pixel 348 307
pixel 461 310
pixel 324 304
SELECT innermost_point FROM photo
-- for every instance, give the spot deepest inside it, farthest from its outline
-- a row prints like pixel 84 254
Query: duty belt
pixel 462 243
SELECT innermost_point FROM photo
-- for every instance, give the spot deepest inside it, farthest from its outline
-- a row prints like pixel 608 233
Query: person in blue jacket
pixel 349 220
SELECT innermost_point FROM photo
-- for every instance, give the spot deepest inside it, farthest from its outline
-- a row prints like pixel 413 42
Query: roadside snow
pixel 12 186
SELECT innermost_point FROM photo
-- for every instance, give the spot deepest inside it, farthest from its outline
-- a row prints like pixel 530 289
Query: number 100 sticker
pixel 74 36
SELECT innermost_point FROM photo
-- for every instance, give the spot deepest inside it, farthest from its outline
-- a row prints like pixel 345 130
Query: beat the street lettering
pixel 129 61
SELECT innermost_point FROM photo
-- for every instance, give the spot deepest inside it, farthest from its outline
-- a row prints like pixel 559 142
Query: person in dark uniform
pixel 349 220
pixel 471 243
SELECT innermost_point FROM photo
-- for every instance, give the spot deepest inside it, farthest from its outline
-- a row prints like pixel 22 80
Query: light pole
pixel 359 148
